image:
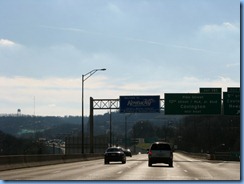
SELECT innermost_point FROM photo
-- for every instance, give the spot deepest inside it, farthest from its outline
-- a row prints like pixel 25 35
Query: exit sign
pixel 233 90
pixel 211 90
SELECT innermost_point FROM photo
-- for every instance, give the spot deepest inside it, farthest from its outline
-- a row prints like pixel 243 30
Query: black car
pixel 114 154
pixel 126 151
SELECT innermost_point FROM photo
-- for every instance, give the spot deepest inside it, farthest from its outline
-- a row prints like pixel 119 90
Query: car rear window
pixel 113 150
pixel 160 147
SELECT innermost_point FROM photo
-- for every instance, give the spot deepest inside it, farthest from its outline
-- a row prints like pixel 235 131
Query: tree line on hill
pixel 19 135
pixel 10 145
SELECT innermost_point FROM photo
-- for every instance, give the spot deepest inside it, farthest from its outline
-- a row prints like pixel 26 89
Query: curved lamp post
pixel 85 77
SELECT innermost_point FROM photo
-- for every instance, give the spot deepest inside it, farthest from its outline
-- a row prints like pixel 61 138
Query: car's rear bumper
pixel 160 160
pixel 109 158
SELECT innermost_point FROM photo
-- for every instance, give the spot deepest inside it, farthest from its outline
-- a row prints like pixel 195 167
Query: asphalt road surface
pixel 136 168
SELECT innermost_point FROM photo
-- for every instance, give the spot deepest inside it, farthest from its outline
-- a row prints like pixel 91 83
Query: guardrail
pixel 228 156
pixel 22 161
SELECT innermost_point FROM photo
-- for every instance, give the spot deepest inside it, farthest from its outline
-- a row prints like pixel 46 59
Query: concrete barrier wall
pixel 197 155
pixel 21 161
pixel 227 156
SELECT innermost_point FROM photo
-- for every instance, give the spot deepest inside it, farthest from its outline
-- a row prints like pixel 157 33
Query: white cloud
pixel 233 65
pixel 223 38
pixel 52 105
pixel 62 96
pixel 114 8
pixel 225 26
pixel 53 96
pixel 6 43
pixel 230 26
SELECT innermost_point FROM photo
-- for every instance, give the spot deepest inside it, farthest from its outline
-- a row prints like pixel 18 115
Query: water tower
pixel 19 112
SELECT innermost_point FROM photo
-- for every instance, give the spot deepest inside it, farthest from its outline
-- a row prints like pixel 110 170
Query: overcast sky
pixel 149 47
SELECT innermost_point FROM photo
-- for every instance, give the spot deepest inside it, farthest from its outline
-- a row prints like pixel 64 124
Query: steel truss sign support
pixel 105 104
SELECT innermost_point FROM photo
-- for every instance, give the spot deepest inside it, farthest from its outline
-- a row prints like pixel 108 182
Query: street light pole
pixel 85 77
pixel 82 118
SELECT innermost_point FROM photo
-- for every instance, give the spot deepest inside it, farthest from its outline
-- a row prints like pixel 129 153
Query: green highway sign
pixel 192 104
pixel 211 90
pixel 232 103
pixel 233 90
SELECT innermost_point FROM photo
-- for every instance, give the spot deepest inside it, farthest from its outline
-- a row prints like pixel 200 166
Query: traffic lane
pixel 202 169
pixel 67 171
pixel 185 168
pixel 157 171
pixel 209 169
pixel 143 172
pixel 86 170
pixel 226 170
pixel 136 168
pixel 111 171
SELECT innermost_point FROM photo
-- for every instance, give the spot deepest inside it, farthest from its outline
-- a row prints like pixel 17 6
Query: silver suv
pixel 160 152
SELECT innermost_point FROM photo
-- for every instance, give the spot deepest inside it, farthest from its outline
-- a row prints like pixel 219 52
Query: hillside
pixel 190 133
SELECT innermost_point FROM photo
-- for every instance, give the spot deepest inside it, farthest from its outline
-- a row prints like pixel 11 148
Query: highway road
pixel 136 168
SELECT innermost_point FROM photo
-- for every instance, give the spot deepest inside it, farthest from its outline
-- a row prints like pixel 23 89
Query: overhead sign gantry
pixel 207 102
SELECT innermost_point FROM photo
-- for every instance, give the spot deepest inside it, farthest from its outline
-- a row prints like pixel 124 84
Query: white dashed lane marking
pixel 119 172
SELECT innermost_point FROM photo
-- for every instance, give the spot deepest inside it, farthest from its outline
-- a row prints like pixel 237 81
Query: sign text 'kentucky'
pixel 139 104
